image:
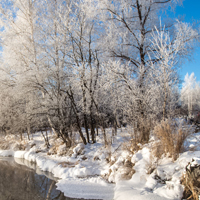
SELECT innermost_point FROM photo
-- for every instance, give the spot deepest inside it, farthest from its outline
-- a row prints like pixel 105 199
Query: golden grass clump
pixel 191 182
pixel 171 138
pixel 131 145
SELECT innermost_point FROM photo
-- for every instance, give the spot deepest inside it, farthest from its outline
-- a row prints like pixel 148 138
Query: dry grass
pixel 55 147
pixel 140 130
pixel 191 182
pixel 131 145
pixel 68 164
pixel 171 139
pixel 152 164
pixel 12 142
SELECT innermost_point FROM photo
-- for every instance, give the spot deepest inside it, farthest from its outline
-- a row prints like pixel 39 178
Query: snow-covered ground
pixel 94 172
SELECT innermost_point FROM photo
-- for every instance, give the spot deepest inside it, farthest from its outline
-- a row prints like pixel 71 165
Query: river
pixel 19 182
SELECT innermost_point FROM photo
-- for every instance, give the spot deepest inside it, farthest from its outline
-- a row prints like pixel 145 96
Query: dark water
pixel 19 182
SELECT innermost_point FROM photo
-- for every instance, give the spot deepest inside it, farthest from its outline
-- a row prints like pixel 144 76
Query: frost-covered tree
pixel 91 64
pixel 53 55
pixel 129 30
pixel 35 53
pixel 190 93
pixel 165 72
pixel 18 56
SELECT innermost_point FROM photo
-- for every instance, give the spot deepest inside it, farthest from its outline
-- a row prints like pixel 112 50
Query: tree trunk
pixel 28 131
pixel 86 128
pixel 92 128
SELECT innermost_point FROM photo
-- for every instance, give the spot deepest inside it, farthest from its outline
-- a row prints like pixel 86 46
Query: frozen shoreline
pixel 89 188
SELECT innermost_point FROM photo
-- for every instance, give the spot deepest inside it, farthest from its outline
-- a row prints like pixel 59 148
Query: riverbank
pixel 94 172
pixel 78 177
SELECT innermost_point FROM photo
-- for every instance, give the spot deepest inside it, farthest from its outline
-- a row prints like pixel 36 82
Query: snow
pixel 6 153
pixel 95 172
pixel 88 188
pixel 145 186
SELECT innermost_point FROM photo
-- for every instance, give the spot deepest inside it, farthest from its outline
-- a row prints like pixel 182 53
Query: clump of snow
pixel 195 162
pixel 6 153
pixel 62 150
pixel 19 154
pixel 102 154
pixel 78 150
pixel 122 168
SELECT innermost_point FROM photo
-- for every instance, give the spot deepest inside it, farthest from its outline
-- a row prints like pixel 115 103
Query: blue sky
pixel 190 10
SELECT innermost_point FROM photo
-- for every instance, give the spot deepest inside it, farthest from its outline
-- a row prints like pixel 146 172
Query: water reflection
pixel 18 182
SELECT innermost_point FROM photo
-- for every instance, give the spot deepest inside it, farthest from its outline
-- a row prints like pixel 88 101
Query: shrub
pixel 191 182
pixel 131 145
pixel 171 138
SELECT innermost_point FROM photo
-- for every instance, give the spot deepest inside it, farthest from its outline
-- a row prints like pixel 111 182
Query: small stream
pixel 20 180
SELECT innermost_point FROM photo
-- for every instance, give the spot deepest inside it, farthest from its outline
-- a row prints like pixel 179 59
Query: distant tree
pixel 190 93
